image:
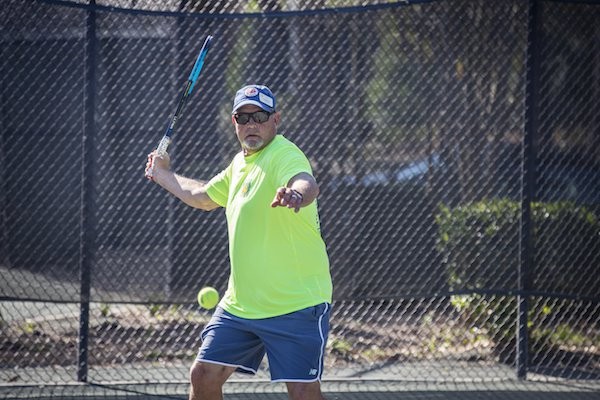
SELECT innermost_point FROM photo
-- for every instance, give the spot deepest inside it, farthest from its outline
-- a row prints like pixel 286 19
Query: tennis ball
pixel 208 297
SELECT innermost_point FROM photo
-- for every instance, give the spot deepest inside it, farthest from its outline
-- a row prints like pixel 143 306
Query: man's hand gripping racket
pixel 161 150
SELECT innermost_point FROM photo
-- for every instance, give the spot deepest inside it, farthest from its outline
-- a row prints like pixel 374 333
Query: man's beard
pixel 254 143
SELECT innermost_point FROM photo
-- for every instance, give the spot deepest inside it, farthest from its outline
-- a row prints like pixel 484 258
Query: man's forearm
pixel 192 192
pixel 309 191
pixel 307 186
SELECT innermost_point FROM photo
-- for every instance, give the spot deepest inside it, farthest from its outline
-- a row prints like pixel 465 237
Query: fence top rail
pixel 307 11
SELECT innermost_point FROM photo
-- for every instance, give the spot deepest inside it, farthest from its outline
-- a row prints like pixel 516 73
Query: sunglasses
pixel 258 116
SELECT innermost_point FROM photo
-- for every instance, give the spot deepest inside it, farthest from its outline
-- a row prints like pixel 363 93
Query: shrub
pixel 479 244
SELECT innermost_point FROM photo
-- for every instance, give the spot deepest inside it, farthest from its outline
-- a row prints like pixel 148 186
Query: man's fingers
pixel 156 161
pixel 289 198
pixel 149 172
pixel 278 197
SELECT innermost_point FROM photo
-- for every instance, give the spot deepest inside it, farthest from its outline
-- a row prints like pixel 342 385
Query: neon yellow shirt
pixel 279 262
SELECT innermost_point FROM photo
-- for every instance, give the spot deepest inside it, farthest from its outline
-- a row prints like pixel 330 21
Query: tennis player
pixel 279 292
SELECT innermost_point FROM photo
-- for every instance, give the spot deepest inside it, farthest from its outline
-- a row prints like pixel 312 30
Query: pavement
pixel 365 387
pixel 333 390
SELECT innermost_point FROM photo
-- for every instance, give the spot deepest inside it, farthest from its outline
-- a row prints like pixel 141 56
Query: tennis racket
pixel 166 139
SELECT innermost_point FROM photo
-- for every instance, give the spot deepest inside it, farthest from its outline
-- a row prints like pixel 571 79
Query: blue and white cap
pixel 258 95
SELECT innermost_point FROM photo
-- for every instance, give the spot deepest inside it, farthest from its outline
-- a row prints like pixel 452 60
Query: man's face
pixel 254 136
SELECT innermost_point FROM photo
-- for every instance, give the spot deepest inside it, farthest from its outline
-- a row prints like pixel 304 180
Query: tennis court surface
pixel 340 390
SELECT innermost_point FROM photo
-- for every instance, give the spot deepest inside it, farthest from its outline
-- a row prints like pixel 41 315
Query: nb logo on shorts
pixel 312 372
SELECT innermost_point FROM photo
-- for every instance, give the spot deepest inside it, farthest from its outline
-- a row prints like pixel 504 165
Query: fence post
pixel 87 210
pixel 528 182
pixel 4 252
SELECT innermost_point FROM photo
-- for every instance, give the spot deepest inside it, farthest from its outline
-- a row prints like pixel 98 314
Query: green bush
pixel 479 243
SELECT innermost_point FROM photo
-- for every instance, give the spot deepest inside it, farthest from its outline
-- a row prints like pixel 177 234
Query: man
pixel 279 292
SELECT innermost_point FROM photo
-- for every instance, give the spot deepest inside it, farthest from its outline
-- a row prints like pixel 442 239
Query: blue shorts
pixel 294 343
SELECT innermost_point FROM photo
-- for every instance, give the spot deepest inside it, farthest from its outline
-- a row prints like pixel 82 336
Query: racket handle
pixel 161 150
pixel 163 145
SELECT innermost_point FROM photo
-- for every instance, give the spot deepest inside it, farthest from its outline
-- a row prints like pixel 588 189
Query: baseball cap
pixel 259 95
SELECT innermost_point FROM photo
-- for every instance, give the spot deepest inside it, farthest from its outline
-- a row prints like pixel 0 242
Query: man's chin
pixel 253 144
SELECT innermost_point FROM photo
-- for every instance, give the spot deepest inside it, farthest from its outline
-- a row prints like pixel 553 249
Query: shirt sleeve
pixel 290 163
pixel 218 187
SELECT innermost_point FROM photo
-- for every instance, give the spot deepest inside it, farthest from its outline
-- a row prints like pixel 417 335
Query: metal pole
pixel 528 182
pixel 86 231
pixel 5 246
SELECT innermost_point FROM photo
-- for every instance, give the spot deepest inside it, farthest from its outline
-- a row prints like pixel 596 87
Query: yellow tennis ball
pixel 208 297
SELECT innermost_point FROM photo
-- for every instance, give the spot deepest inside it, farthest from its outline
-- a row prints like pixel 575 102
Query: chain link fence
pixel 456 143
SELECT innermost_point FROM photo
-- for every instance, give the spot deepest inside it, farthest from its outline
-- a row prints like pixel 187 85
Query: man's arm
pixel 191 191
pixel 301 190
pixel 305 184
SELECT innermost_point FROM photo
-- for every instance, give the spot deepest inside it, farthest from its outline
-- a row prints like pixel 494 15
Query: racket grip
pixel 163 145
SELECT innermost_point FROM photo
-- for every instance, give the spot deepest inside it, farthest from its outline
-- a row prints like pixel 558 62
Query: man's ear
pixel 276 117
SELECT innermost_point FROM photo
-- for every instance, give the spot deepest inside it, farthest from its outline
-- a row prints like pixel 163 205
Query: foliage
pixel 478 241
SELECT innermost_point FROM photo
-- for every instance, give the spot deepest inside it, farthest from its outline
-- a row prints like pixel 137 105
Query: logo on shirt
pixel 246 188
pixel 312 371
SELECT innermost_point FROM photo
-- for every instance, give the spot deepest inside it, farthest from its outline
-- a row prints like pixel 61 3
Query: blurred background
pixel 456 143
